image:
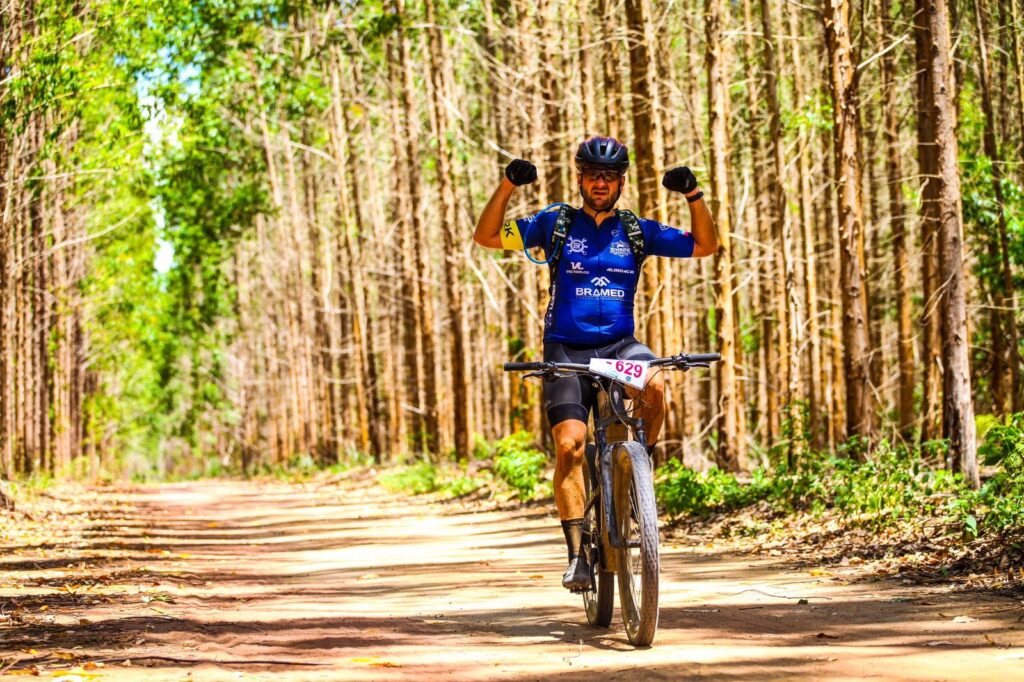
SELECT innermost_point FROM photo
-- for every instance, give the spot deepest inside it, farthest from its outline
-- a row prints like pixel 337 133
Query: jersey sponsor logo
pixel 576 268
pixel 620 249
pixel 616 232
pixel 600 290
pixel 577 245
pixel 600 293
pixel 664 227
pixel 623 271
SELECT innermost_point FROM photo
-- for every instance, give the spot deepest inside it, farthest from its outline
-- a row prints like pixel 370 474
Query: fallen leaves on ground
pixel 832 546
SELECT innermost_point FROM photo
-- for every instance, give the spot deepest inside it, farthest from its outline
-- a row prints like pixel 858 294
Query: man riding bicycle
pixel 595 255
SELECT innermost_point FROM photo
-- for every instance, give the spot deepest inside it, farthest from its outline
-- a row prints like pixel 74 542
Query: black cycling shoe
pixel 577 575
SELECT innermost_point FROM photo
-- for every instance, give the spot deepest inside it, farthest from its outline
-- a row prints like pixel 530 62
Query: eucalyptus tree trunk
pixel 349 267
pixel 1006 365
pixel 8 37
pixel 534 281
pixel 928 169
pixel 815 377
pixel 585 27
pixel 552 171
pixel 768 358
pixel 897 213
pixel 641 82
pixel 325 388
pixel 784 239
pixel 957 410
pixel 498 15
pixel 856 351
pixel 608 12
pixel 1018 72
pixel 419 336
pixel 732 424
pixel 368 200
pixel 441 125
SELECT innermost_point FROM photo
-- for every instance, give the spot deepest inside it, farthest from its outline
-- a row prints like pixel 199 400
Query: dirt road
pixel 348 582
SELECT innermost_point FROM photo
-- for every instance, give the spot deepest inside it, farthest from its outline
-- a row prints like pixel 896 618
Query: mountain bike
pixel 620 519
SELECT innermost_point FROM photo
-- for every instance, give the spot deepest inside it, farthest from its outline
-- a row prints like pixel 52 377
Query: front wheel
pixel 637 516
pixel 599 600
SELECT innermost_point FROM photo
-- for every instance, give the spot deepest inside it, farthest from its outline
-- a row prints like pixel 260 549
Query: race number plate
pixel 630 372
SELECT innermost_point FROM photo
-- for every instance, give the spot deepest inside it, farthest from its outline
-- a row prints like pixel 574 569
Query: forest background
pixel 237 234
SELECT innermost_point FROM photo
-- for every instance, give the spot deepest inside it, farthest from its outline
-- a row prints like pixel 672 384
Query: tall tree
pixel 442 128
pixel 732 440
pixel 856 350
pixel 897 213
pixel 957 405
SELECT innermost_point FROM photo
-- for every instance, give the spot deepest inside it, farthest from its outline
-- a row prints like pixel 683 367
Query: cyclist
pixel 595 255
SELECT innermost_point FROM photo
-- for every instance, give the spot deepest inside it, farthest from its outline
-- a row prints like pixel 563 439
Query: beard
pixel 603 202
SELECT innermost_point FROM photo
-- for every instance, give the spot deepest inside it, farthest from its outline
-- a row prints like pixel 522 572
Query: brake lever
pixel 542 374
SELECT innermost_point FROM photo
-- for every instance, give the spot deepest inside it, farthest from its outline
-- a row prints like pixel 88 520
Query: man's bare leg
pixel 570 441
pixel 651 405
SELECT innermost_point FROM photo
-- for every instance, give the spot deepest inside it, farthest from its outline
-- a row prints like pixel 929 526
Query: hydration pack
pixel 566 214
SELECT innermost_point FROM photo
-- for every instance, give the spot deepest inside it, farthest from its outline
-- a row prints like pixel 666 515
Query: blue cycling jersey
pixel 592 296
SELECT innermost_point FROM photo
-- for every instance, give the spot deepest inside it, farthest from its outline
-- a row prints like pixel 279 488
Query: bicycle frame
pixel 615 396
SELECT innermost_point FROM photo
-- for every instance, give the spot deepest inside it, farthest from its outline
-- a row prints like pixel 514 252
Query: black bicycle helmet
pixel 602 152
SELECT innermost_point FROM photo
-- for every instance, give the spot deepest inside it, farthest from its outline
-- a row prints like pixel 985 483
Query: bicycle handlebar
pixel 522 366
pixel 680 361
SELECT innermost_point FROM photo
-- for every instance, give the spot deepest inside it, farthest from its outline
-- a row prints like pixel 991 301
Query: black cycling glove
pixel 521 172
pixel 680 179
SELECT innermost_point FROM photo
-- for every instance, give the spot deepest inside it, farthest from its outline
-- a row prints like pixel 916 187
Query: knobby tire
pixel 637 517
pixel 599 600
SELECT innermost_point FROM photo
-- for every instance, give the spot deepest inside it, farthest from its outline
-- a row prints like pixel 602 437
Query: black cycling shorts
pixel 574 397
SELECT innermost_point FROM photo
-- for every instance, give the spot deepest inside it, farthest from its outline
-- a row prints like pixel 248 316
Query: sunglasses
pixel 606 175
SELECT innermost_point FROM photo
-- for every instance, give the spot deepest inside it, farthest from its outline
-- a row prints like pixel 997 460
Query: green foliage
pixel 462 485
pixel 416 479
pixel 683 491
pixel 892 485
pixel 426 477
pixel 519 464
pixel 482 448
pixel 999 504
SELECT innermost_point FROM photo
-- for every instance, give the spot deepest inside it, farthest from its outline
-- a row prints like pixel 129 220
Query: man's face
pixel 600 188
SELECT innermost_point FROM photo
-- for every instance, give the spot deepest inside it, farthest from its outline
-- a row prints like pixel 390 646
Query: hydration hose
pixel 547 260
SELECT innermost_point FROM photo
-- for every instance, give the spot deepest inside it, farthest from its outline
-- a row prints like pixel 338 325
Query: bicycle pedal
pixel 579 590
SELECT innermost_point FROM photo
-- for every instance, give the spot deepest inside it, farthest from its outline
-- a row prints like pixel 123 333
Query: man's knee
pixel 570 439
pixel 654 393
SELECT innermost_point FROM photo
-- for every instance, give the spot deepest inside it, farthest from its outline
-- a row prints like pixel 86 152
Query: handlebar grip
pixel 522 366
pixel 704 357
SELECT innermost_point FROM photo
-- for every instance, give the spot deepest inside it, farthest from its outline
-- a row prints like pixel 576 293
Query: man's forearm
pixel 488 226
pixel 702 226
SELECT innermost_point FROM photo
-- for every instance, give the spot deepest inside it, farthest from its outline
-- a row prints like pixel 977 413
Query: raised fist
pixel 680 179
pixel 521 172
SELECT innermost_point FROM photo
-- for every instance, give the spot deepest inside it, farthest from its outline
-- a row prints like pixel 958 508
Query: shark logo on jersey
pixel 577 245
pixel 620 249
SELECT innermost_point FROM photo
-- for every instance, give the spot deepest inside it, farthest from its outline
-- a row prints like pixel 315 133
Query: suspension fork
pixel 615 414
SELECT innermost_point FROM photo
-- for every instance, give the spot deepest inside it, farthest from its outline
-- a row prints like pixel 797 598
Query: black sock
pixel 573 529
